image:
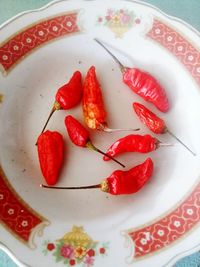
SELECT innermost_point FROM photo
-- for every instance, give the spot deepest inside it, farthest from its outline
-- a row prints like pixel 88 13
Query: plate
pixel 39 51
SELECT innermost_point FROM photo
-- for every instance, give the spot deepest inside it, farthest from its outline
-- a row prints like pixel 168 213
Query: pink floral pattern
pixel 15 48
pixel 67 251
pixel 170 228
pixel 181 48
pixel 89 261
pixel 119 21
pixel 76 247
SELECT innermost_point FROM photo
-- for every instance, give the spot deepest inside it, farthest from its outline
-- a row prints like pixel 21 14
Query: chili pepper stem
pixel 92 147
pixel 164 144
pixel 56 106
pixel 169 132
pixel 108 130
pixel 122 67
pixel 96 186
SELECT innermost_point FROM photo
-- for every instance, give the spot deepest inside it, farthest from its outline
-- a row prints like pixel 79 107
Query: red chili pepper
pixel 68 96
pixel 121 182
pixel 148 118
pixel 133 143
pixel 129 182
pixel 77 132
pixel 50 152
pixel 80 136
pixel 93 105
pixel 143 84
pixel 154 123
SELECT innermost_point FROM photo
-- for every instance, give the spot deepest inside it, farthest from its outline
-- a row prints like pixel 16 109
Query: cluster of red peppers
pixel 51 144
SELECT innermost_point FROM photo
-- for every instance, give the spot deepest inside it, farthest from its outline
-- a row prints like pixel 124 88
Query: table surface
pixel 187 10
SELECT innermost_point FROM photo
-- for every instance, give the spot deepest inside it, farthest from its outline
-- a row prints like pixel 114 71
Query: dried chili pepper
pixel 93 105
pixel 122 182
pixel 143 84
pixel 50 152
pixel 154 123
pixel 133 143
pixel 148 118
pixel 68 96
pixel 80 136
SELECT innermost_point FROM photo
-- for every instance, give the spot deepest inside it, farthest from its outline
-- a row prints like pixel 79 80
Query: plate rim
pixel 9 21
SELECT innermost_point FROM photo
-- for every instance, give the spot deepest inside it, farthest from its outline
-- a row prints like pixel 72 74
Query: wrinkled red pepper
pixel 121 182
pixel 128 182
pixel 50 147
pixel 133 143
pixel 150 119
pixel 68 96
pixel 92 102
pixel 154 123
pixel 93 105
pixel 143 84
pixel 80 136
pixel 146 86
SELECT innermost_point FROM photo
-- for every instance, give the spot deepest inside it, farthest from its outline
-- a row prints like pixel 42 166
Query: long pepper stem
pixel 122 67
pixel 194 154
pixel 72 187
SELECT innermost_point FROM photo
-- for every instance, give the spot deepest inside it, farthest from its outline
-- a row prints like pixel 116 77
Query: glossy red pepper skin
pixel 80 136
pixel 146 86
pixel 50 152
pixel 76 131
pixel 92 102
pixel 131 181
pixel 70 94
pixel 150 119
pixel 132 143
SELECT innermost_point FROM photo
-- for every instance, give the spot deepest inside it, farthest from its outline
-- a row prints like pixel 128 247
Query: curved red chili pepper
pixel 121 182
pixel 92 102
pixel 50 147
pixel 142 83
pixel 146 86
pixel 77 132
pixel 148 118
pixel 70 94
pixel 80 136
pixel 132 143
pixel 67 96
pixel 128 182
pixel 93 105
pixel 154 123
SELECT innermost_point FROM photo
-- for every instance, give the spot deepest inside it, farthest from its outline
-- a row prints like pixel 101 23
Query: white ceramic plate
pixel 153 227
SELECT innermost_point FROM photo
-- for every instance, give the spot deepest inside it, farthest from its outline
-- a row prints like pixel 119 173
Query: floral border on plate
pixel 17 216
pixel 183 51
pixel 179 47
pixel 171 227
pixel 13 50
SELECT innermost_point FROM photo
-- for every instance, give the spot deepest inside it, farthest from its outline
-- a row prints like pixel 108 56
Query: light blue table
pixel 188 10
